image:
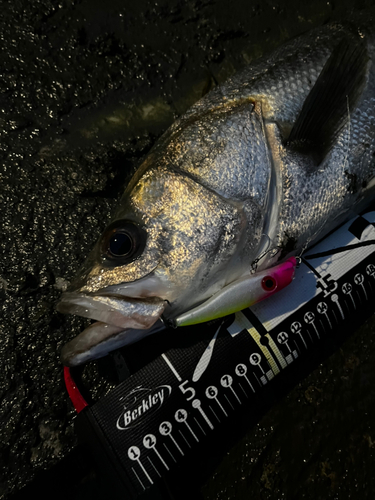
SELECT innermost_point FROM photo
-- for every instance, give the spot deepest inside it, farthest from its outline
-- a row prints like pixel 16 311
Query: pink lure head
pixel 276 278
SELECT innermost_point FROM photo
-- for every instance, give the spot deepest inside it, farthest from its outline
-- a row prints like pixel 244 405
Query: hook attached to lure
pixel 240 294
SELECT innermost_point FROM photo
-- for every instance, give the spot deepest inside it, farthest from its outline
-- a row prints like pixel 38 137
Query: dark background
pixel 86 87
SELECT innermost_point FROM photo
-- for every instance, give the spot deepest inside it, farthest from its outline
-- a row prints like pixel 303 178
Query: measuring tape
pixel 213 376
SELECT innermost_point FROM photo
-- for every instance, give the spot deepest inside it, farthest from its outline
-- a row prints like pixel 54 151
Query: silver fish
pixel 253 173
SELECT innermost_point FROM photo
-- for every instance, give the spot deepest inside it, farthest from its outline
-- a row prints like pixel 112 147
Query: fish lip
pixel 117 311
pixel 98 339
pixel 120 321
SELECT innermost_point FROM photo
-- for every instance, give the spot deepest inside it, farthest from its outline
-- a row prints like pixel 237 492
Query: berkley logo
pixel 139 403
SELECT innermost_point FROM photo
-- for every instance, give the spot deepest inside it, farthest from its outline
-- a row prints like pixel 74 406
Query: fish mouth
pixel 120 321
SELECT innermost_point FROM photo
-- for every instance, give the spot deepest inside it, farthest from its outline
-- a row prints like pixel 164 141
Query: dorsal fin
pixel 326 109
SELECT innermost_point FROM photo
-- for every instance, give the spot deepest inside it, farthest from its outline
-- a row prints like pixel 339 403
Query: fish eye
pixel 122 242
pixel 269 283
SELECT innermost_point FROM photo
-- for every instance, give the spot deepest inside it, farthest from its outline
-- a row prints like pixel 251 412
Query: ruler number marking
pixel 187 390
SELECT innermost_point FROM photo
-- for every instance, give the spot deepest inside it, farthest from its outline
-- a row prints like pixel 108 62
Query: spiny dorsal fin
pixel 335 93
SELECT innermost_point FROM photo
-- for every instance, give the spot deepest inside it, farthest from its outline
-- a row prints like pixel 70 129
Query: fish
pixel 217 213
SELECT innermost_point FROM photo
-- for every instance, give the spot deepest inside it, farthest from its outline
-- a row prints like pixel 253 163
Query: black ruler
pixel 174 411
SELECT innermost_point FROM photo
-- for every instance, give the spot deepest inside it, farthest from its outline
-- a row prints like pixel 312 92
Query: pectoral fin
pixel 327 108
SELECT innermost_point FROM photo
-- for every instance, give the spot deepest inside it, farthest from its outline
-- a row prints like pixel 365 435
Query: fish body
pixel 253 173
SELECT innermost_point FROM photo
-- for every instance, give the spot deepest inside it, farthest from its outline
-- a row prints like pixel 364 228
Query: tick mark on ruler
pixel 243 390
pixel 156 470
pixel 139 479
pixel 184 438
pixel 173 369
pixel 199 425
pixel 134 453
pixel 217 418
pixel 166 447
pixel 197 405
pixel 335 299
pixel 230 404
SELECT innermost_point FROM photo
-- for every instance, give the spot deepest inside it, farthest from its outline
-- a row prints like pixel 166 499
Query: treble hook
pixel 253 265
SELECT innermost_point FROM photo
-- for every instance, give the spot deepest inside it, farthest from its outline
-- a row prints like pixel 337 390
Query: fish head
pixel 170 244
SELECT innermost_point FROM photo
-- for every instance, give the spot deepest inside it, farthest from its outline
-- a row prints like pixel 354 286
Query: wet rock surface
pixel 86 88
